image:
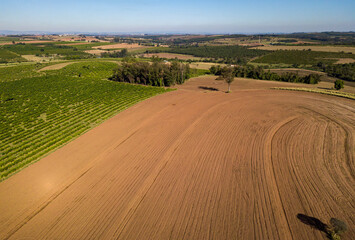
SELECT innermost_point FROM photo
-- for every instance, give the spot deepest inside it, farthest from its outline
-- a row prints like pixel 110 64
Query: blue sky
pixel 183 16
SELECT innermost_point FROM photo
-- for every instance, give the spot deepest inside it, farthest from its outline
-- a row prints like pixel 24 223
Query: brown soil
pixel 34 58
pixel 73 44
pixel 195 164
pixel 56 66
pixel 26 42
pixel 345 61
pixel 204 65
pixel 120 45
pixel 96 51
pixel 62 65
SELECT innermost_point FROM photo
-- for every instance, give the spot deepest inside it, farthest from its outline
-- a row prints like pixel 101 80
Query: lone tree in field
pixel 228 76
pixel 338 84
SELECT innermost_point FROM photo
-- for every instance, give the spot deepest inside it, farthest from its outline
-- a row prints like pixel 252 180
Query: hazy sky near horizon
pixel 183 16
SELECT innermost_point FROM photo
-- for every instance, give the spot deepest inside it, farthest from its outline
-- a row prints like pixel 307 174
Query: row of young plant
pixel 65 119
pixel 44 127
pixel 40 114
pixel 40 146
pixel 158 73
pixel 39 143
pixel 249 71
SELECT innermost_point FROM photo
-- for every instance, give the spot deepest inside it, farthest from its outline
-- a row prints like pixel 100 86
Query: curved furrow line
pixel 211 166
pixel 314 176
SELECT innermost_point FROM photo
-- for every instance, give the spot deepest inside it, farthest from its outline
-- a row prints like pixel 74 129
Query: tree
pixel 157 73
pixel 338 84
pixel 337 228
pixel 228 76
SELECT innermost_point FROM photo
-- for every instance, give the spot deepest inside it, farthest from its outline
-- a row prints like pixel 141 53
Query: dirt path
pixel 195 164
pixel 62 65
pixel 119 46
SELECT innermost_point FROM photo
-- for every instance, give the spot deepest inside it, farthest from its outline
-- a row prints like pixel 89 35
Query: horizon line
pixel 39 32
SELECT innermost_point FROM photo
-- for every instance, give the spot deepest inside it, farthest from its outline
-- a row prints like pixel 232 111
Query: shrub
pixel 338 84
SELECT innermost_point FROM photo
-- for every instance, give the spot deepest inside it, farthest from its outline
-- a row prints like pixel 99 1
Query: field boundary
pixel 321 91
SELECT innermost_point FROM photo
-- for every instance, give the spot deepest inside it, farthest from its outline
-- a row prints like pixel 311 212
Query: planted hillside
pixel 14 73
pixel 41 113
pixel 45 49
pixel 296 57
pixel 7 56
pixel 155 74
pixel 250 71
pixel 229 54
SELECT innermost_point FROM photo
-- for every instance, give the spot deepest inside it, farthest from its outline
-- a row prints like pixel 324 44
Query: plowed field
pixel 195 163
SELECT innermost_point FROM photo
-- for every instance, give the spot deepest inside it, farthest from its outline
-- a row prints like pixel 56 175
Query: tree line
pixel 342 71
pixel 250 71
pixel 157 73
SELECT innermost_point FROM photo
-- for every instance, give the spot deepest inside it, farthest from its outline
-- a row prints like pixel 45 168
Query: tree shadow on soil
pixel 333 231
pixel 208 88
pixel 313 222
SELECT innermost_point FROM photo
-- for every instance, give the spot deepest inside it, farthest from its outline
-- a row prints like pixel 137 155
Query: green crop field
pixel 215 51
pixel 8 39
pixel 41 111
pixel 8 56
pixel 13 73
pixel 47 48
pixel 302 57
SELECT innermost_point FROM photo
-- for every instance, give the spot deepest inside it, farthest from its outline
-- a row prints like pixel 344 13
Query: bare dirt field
pixel 55 66
pixel 95 51
pixel 26 42
pixel 74 44
pixel 34 58
pixel 345 61
pixel 120 45
pixel 313 48
pixel 196 163
pixel 62 65
pixel 204 65
pixel 170 56
pixel 85 40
